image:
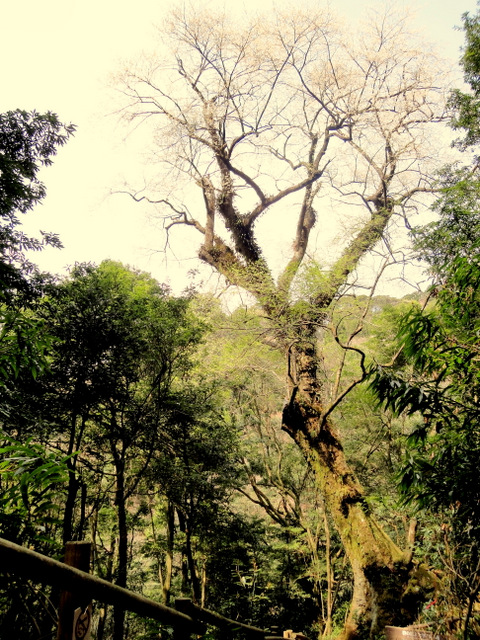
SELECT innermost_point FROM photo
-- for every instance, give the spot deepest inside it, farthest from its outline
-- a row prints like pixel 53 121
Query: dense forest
pixel 307 457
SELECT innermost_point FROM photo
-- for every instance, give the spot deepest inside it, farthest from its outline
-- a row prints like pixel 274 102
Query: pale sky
pixel 58 55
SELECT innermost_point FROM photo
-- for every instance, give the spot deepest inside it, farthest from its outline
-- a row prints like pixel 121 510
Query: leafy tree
pixel 137 429
pixel 140 433
pixel 28 141
pixel 120 342
pixel 29 474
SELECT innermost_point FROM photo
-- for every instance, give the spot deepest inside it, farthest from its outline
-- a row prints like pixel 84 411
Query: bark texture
pixel 380 568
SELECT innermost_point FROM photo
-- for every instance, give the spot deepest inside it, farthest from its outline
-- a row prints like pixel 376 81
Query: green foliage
pixel 30 479
pixel 440 345
pixel 113 325
pixel 456 232
pixel 467 105
pixel 312 281
pixel 442 381
pixel 442 384
pixel 23 346
pixel 28 141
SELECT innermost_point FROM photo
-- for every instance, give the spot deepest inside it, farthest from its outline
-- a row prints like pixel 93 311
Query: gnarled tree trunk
pixel 256 122
pixel 380 569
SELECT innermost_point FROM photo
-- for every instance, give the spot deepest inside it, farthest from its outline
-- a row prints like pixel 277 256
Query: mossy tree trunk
pixel 380 568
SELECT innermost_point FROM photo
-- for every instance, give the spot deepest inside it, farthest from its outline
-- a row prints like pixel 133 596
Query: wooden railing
pixel 79 586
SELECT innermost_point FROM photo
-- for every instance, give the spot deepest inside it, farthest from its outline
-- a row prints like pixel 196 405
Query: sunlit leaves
pixel 29 481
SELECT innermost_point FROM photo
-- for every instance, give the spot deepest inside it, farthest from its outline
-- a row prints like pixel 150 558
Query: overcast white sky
pixel 58 55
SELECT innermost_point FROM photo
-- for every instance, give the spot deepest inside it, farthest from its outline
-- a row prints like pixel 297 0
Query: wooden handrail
pixel 188 617
pixel 217 620
pixel 30 564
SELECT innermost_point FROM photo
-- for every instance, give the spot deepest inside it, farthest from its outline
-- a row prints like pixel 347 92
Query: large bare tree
pixel 261 119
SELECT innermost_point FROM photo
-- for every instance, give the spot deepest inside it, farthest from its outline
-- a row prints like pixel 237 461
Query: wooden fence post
pixel 184 606
pixel 77 554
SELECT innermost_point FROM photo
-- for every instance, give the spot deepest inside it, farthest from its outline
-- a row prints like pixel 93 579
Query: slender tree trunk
pixel 329 574
pixel 72 491
pixel 196 586
pixel 189 569
pixel 167 581
pixel 102 618
pixel 380 569
pixel 204 583
pixel 73 485
pixel 185 581
pixel 165 577
pixel 121 577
